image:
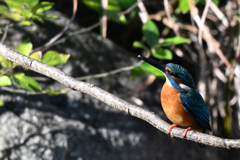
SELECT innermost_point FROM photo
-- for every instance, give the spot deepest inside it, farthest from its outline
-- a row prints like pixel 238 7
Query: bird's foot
pixel 186 130
pixel 171 127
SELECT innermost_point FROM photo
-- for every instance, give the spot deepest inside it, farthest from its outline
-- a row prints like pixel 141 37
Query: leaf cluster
pixel 26 12
pixel 154 48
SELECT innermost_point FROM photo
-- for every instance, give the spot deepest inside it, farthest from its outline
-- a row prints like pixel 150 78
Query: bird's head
pixel 176 75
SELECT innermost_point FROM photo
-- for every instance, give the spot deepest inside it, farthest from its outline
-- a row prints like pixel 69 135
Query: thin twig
pixel 84 30
pixel 204 15
pixel 219 14
pixel 5 33
pixel 7 70
pixel 175 28
pixel 238 46
pixel 21 91
pixel 202 57
pixel 56 37
pixel 108 73
pixel 104 17
pixel 143 14
pixel 208 37
pixel 113 101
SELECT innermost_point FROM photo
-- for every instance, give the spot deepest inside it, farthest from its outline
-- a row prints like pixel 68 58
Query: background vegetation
pixel 202 36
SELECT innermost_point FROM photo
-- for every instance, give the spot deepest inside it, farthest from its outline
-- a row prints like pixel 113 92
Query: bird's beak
pixel 154 63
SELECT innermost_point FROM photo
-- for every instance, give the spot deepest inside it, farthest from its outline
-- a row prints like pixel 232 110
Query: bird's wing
pixel 194 104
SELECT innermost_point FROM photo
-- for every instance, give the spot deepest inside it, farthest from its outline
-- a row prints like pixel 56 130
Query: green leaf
pixel 51 16
pixel 216 2
pixel 161 53
pixel 227 124
pixel 26 23
pixel 54 58
pixel 5 81
pixel 22 4
pixel 25 47
pixel 126 4
pixel 1 103
pixel 140 45
pixel 54 93
pixel 5 63
pixel 112 10
pixel 203 2
pixel 184 5
pixel 35 56
pixel 151 33
pixel 137 72
pixel 43 6
pixel 26 11
pixel 173 41
pixel 152 70
pixel 26 82
pixel 122 19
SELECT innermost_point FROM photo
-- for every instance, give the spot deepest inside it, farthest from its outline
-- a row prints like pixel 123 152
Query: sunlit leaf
pixel 122 19
pixel 35 56
pixel 43 6
pixel 184 5
pixel 1 103
pixel 161 53
pixel 152 70
pixel 173 41
pixel 137 72
pixel 5 63
pixel 51 16
pixel 140 45
pixel 25 47
pixel 227 124
pixel 151 33
pixel 26 11
pixel 5 81
pixel 54 93
pixel 112 10
pixel 26 23
pixel 55 58
pixel 26 82
pixel 28 4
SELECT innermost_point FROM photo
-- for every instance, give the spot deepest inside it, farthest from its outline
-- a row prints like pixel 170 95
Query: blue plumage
pixel 192 101
pixel 181 102
pixel 182 74
pixel 194 104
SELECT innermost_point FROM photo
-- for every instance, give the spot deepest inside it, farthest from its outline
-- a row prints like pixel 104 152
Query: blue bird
pixel 181 102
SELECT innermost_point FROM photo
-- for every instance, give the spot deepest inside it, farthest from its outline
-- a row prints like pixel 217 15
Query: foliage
pixel 54 58
pixel 20 79
pixel 151 34
pixel 26 11
pixel 184 7
pixel 114 7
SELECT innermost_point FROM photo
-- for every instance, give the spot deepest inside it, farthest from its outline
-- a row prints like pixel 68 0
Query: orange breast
pixel 171 104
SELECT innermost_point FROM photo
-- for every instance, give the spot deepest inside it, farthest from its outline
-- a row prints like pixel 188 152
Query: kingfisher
pixel 181 102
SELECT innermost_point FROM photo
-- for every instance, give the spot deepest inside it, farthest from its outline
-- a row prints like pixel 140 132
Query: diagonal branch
pixel 113 101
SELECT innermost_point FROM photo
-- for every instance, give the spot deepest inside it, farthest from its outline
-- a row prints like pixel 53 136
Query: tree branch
pixel 114 101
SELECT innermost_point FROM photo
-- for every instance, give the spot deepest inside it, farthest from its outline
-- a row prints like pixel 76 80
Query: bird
pixel 181 102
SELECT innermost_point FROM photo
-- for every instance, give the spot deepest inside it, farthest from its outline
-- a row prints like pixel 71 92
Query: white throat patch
pixel 185 87
pixel 168 82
